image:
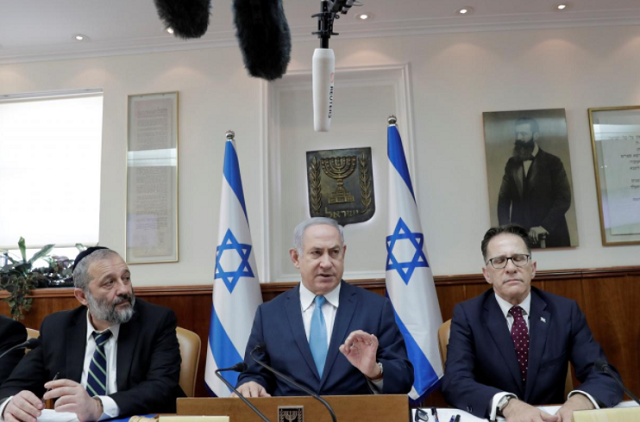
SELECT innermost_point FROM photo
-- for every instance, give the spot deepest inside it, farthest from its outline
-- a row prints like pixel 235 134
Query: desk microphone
pixel 32 343
pixel 259 348
pixel 602 366
pixel 239 367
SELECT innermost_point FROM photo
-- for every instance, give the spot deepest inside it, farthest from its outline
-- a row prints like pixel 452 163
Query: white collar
pixel 535 149
pixel 505 306
pixel 115 329
pixel 307 296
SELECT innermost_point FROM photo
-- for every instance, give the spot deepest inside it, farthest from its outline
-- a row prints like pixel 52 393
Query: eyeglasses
pixel 518 259
pixel 421 415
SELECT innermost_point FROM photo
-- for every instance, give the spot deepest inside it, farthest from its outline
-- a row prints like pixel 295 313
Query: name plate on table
pixel 608 415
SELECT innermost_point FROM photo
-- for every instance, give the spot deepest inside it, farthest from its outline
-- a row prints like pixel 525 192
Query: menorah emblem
pixel 290 414
pixel 339 168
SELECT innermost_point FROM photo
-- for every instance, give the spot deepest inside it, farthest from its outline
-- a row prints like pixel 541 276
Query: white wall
pixel 454 78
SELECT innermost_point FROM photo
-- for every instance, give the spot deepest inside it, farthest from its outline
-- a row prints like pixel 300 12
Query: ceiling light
pixel 170 30
pixel 464 11
pixel 80 37
pixel 364 16
pixel 562 6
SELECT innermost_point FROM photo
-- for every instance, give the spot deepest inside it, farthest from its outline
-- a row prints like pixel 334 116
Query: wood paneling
pixel 609 298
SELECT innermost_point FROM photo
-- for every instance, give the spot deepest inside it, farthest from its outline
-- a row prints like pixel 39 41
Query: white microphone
pixel 324 67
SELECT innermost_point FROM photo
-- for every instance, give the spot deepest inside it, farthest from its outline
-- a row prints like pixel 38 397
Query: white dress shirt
pixel 527 163
pixel 329 311
pixel 526 307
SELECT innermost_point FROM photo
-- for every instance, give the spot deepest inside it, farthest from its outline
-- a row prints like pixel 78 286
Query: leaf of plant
pixel 23 249
pixel 42 252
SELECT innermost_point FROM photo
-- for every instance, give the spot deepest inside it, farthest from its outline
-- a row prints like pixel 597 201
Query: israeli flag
pixel 236 288
pixel 409 279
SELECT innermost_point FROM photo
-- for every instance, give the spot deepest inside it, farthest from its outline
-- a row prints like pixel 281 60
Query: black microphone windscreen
pixel 32 343
pixel 601 364
pixel 187 18
pixel 264 37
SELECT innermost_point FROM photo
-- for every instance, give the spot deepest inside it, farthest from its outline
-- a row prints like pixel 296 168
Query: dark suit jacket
pixel 12 333
pixel 481 359
pixel 278 324
pixel 148 359
pixel 540 199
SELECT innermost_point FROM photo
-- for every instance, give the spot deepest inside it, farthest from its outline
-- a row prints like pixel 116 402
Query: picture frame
pixel 615 143
pixel 151 234
pixel 529 175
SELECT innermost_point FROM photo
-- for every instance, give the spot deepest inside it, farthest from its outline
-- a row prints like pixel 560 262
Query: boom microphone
pixel 32 343
pixel 602 366
pixel 187 18
pixel 264 37
pixel 239 367
pixel 324 68
pixel 259 348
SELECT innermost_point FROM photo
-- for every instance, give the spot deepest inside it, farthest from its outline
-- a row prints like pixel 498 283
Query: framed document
pixel 615 139
pixel 152 178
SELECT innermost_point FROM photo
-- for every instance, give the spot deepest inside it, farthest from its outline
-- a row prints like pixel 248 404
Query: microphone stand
pixel 32 343
pixel 290 381
pixel 239 368
pixel 603 366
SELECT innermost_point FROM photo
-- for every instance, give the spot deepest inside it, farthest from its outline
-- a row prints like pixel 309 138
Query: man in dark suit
pixel 332 337
pixel 535 191
pixel 509 348
pixel 114 356
pixel 12 333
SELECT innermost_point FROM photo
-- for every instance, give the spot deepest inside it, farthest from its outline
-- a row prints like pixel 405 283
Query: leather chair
pixel 443 342
pixel 190 354
pixel 31 333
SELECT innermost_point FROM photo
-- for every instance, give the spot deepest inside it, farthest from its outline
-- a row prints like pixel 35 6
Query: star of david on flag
pixel 409 279
pixel 231 246
pixel 405 267
pixel 236 289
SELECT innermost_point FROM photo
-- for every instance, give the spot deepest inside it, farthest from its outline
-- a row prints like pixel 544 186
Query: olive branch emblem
pixel 314 181
pixel 365 182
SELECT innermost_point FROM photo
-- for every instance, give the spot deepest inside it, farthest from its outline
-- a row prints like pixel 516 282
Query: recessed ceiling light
pixel 80 37
pixel 562 6
pixel 170 30
pixel 364 16
pixel 464 11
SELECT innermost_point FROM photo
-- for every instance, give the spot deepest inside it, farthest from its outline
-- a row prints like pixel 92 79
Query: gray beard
pixel 104 311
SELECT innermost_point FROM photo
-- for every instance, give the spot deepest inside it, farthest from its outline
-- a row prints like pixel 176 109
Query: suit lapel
pixel 532 174
pixel 294 315
pixel 499 330
pixel 539 322
pixel 346 309
pixel 127 340
pixel 76 346
pixel 518 177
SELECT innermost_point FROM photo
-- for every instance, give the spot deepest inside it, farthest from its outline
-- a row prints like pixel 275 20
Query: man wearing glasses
pixel 509 347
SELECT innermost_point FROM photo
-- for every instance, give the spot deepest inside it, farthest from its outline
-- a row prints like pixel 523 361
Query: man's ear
pixel 485 273
pixel 79 294
pixel 536 136
pixel 295 258
pixel 534 267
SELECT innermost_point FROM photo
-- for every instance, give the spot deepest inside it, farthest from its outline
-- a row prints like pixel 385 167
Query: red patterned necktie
pixel 520 337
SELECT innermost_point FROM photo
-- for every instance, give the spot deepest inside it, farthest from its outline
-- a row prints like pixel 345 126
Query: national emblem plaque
pixel 341 184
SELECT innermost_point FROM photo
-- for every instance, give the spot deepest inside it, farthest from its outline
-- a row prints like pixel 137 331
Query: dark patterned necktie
pixel 97 377
pixel 520 337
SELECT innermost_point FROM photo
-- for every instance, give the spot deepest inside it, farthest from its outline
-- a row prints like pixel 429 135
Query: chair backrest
pixel 31 333
pixel 443 342
pixel 190 354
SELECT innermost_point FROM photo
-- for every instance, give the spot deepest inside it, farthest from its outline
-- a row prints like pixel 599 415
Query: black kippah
pixel 82 255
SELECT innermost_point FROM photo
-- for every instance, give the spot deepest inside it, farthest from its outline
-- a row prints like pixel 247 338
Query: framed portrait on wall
pixel 529 174
pixel 615 140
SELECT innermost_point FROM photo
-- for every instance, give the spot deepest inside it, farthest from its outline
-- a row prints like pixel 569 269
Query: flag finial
pixel 230 134
pixel 392 120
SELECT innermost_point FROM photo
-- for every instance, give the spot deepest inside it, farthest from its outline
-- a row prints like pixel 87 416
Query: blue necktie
pixel 318 335
pixel 97 377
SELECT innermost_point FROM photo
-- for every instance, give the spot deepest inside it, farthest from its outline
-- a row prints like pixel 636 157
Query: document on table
pixel 50 415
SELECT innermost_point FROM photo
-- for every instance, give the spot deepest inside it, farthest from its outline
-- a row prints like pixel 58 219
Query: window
pixel 50 149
